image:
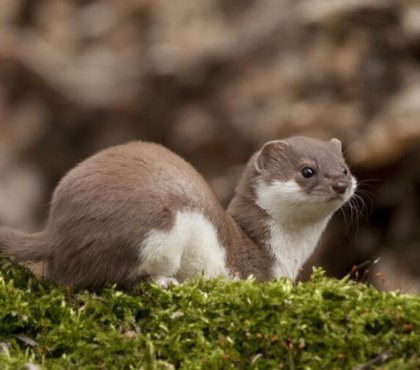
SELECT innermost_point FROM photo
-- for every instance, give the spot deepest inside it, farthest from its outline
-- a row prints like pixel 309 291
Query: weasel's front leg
pixel 165 282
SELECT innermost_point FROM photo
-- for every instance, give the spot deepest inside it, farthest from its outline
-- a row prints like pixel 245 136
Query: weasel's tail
pixel 23 247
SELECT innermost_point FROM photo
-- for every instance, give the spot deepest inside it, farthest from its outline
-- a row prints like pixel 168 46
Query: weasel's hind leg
pixel 189 248
pixel 160 255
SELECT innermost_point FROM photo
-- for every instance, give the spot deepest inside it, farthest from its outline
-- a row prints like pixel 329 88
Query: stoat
pixel 138 211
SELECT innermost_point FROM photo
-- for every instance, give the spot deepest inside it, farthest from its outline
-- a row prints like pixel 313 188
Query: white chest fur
pixel 295 225
pixel 191 247
pixel 292 248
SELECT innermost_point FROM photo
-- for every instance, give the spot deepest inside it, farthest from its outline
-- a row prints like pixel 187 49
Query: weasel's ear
pixel 337 144
pixel 270 154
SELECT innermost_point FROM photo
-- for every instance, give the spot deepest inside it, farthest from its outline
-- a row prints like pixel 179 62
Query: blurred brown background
pixel 213 80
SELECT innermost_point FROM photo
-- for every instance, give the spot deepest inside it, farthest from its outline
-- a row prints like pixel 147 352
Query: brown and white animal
pixel 139 211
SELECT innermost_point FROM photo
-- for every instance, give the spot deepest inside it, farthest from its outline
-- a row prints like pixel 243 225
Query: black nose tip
pixel 340 187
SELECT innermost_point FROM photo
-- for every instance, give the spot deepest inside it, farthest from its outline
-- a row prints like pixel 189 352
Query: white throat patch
pixel 295 226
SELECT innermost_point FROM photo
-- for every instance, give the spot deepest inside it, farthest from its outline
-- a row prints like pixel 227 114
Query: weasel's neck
pixel 247 253
pixel 287 246
pixel 292 245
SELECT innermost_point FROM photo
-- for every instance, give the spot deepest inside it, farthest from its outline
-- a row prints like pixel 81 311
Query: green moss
pixel 323 324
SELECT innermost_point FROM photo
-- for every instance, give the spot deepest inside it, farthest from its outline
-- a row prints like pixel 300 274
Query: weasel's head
pixel 302 179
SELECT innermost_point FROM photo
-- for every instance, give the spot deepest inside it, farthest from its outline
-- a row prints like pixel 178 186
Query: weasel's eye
pixel 308 172
pixel 345 171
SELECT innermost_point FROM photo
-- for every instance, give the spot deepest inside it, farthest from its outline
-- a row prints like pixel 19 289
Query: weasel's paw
pixel 165 282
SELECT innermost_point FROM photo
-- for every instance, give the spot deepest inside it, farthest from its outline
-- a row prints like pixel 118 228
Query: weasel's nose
pixel 340 187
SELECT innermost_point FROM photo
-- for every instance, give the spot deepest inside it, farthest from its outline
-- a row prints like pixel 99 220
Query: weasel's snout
pixel 340 187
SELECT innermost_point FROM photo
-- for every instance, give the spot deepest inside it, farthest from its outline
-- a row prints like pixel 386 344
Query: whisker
pixel 358 210
pixel 355 212
pixel 364 181
pixel 360 207
pixel 367 205
pixel 363 187
pixel 346 225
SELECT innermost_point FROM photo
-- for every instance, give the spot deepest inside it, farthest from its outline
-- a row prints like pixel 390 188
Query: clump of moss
pixel 215 324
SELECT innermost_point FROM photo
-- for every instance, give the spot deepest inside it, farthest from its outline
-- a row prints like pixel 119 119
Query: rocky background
pixel 213 80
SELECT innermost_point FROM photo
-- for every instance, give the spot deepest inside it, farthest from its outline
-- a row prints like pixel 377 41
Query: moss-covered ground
pixel 323 324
